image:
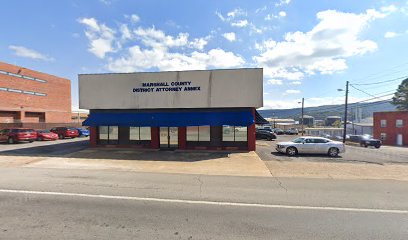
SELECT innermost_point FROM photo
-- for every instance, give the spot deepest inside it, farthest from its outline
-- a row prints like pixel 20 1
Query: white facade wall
pixel 197 89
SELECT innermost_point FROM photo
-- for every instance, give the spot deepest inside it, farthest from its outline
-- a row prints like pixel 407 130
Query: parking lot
pixel 354 154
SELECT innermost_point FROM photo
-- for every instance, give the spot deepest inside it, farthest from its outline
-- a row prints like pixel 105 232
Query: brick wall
pixel 391 130
pixel 56 105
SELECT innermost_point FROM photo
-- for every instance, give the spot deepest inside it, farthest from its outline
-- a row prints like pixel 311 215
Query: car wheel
pixel 333 152
pixel 365 145
pixel 10 140
pixel 30 141
pixel 291 151
pixel 60 136
pixel 269 138
pixel 377 146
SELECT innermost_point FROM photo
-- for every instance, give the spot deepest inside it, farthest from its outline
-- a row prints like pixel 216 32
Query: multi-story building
pixel 28 96
pixel 391 127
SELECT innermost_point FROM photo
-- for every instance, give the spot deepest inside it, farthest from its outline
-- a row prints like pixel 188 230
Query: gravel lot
pixel 384 155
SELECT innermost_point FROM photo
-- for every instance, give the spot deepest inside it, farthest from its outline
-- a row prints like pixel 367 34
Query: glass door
pixel 168 137
pixel 173 140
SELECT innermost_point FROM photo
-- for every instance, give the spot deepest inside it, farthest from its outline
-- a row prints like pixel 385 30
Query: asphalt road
pixel 354 154
pixel 83 204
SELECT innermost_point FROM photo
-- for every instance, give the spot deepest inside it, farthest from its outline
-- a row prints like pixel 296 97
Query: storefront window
pixel 234 134
pixel 134 133
pixel 228 133
pixel 139 133
pixel 241 134
pixel 198 134
pixel 113 133
pixel 145 133
pixel 192 134
pixel 108 134
pixel 103 132
pixel 204 133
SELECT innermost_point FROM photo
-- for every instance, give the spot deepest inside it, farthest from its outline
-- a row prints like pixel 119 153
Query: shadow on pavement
pixel 81 149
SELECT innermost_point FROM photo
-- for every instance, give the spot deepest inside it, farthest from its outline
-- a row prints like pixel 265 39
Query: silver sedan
pixel 317 145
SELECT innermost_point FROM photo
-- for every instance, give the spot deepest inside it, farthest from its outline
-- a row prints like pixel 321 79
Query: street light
pixel 345 110
pixel 303 104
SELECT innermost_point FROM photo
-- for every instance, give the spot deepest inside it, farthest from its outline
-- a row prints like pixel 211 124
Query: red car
pixel 43 135
pixel 64 132
pixel 14 135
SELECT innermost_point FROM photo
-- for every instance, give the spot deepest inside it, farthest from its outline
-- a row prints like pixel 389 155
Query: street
pixel 83 204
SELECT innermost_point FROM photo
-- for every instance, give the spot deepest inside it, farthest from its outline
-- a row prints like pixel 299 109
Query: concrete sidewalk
pixel 231 164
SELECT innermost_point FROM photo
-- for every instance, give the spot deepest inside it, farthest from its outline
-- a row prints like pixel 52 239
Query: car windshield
pixel 44 131
pixel 71 129
pixel 23 130
pixel 298 140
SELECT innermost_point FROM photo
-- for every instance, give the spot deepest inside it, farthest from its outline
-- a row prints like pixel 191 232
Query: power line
pixel 373 76
pixel 362 91
pixel 375 83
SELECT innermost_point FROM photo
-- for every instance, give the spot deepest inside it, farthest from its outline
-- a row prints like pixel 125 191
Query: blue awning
pixel 171 119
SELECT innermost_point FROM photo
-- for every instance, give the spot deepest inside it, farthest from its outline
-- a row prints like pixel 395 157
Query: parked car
pixel 365 140
pixel 64 132
pixel 292 131
pixel 14 135
pixel 264 134
pixel 278 131
pixel 83 132
pixel 311 145
pixel 265 129
pixel 43 135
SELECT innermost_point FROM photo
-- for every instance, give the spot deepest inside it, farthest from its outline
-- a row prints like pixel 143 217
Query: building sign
pixel 177 89
pixel 149 87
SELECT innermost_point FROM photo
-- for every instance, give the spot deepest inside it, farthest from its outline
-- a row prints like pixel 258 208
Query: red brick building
pixel 391 127
pixel 28 96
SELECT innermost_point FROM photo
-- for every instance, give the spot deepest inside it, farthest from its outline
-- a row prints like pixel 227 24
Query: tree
pixel 337 124
pixel 400 99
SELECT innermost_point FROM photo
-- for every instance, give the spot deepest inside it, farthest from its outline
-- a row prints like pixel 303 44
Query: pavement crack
pixel 280 184
pixel 201 184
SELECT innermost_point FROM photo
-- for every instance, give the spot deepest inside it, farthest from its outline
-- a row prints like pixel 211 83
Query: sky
pixel 307 49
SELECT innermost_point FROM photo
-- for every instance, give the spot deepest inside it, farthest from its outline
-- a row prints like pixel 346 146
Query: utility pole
pixel 303 105
pixel 345 113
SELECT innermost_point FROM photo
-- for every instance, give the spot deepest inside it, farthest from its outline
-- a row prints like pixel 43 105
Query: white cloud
pixel 321 50
pixel 390 34
pixel 151 48
pixel 282 3
pixel 134 18
pixel 106 2
pixel 100 36
pixel 282 14
pixel 296 83
pixel 199 43
pixel 29 53
pixel 274 82
pixel 139 59
pixel 236 12
pixel 126 34
pixel 230 36
pixel 291 91
pixel 240 23
pixel 389 9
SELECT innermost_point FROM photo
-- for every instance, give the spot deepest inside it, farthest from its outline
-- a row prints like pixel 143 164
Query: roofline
pixel 21 67
pixel 402 111
pixel 198 70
